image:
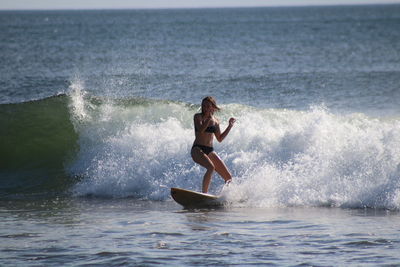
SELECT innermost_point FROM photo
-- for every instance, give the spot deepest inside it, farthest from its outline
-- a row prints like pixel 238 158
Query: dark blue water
pixel 96 113
pixel 345 57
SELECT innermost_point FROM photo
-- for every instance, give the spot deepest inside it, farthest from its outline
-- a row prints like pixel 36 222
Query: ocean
pixel 96 126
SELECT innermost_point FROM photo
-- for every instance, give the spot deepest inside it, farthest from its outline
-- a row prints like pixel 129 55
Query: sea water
pixel 97 124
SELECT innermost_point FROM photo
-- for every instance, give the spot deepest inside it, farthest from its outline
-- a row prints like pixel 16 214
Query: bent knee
pixel 228 176
pixel 211 167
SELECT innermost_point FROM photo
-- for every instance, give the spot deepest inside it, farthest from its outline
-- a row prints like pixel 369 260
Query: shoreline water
pixel 130 232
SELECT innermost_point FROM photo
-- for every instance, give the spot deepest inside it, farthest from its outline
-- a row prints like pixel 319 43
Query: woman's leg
pixel 199 157
pixel 220 167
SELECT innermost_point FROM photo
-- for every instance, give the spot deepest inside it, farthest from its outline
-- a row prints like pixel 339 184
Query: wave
pixel 37 139
pixel 135 147
pixel 278 157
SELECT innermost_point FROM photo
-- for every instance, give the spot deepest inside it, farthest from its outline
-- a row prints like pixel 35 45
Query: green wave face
pixel 37 138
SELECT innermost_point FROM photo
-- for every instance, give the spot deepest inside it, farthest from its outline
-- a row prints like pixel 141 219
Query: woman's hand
pixel 232 121
pixel 208 121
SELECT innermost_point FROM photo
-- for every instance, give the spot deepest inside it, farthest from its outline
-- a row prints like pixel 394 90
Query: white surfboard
pixel 193 199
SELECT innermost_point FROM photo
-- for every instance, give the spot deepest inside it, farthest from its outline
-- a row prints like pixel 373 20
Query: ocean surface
pixel 96 125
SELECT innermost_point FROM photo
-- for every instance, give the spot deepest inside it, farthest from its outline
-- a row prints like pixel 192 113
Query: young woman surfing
pixel 206 126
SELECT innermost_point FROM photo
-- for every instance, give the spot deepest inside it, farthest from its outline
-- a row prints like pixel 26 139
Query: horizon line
pixel 196 7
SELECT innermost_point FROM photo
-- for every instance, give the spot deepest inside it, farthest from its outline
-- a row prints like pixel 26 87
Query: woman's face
pixel 208 107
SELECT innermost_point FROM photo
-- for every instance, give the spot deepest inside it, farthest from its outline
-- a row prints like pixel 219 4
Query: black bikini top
pixel 209 129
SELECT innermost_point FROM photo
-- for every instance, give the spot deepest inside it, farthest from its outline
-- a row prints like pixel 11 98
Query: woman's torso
pixel 205 138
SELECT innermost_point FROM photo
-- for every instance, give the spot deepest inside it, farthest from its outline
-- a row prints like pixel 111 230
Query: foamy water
pixel 278 157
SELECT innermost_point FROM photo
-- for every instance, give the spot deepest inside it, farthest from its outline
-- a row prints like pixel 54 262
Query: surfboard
pixel 193 199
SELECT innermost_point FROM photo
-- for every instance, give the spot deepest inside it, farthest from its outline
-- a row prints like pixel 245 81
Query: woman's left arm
pixel 221 136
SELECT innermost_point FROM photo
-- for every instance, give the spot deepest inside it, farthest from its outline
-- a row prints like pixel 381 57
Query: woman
pixel 206 126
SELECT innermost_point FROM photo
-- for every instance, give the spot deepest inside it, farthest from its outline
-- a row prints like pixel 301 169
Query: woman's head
pixel 209 105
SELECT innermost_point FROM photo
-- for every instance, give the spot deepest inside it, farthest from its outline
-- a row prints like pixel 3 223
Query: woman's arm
pixel 221 136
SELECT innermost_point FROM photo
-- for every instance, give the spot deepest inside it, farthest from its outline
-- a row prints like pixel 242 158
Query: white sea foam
pixel 78 106
pixel 277 157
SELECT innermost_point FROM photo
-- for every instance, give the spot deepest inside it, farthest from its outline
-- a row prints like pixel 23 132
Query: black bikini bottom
pixel 206 149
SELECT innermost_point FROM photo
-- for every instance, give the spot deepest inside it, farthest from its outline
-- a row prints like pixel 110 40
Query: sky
pixel 138 4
